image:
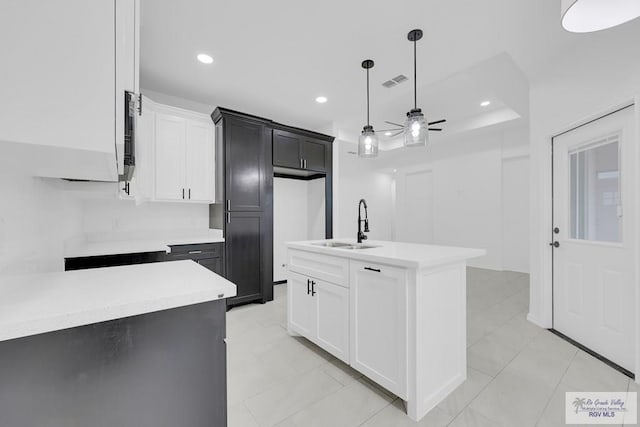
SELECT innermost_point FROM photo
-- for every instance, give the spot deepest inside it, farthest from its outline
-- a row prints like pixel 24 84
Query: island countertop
pixel 39 303
pixel 411 255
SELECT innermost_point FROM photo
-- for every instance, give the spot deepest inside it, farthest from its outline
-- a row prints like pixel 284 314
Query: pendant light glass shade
pixel 368 143
pixel 416 129
pixel 584 16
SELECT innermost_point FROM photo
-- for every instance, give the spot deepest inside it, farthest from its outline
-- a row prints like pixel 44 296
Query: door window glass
pixel 596 210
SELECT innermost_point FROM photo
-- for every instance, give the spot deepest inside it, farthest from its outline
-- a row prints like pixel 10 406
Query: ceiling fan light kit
pixel 585 16
pixel 368 140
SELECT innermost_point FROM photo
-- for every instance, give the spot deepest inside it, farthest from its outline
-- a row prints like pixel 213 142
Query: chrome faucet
pixel 361 235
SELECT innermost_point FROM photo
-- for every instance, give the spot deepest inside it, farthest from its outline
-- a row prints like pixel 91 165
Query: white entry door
pixel 594 171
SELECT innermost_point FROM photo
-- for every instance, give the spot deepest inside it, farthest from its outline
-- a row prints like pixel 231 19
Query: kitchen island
pixel 139 345
pixel 394 311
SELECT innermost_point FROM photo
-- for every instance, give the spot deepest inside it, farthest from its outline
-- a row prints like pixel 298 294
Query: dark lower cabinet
pixel 81 263
pixel 209 255
pixel 247 256
pixel 162 369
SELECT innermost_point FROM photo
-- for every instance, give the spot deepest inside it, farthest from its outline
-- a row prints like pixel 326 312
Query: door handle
pixel 305 163
pixel 377 270
pixel 228 204
pixel 189 194
pixel 183 194
pixel 301 164
pixel 555 244
pixel 308 283
pixel 313 288
pixel 228 217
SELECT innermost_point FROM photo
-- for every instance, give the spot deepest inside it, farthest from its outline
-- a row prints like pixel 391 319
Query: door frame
pixel 547 259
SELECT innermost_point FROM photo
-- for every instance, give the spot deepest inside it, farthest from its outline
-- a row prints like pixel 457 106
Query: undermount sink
pixel 332 244
pixel 343 245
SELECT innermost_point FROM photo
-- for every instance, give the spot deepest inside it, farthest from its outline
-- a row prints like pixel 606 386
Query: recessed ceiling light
pixel 204 58
pixel 395 170
pixel 321 99
pixel 485 103
pixel 387 133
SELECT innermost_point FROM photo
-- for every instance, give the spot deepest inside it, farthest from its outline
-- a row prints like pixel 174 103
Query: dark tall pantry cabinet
pixel 247 150
pixel 244 197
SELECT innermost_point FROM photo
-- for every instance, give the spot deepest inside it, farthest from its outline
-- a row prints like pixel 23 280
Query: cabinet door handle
pixel 300 161
pixel 228 217
pixel 194 252
pixel 305 163
pixel 308 283
pixel 228 204
pixel 189 194
pixel 377 270
pixel 313 288
pixel 183 194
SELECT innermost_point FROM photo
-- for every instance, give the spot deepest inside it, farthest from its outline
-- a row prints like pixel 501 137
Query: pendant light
pixel 585 16
pixel 416 128
pixel 368 141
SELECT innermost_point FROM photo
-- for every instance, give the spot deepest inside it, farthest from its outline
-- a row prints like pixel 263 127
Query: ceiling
pixel 273 58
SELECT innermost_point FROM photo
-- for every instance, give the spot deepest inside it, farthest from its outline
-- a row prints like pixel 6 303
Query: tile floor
pixel 517 376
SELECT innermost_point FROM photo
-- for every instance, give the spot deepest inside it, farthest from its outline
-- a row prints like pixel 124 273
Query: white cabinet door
pixel 332 324
pixel 200 161
pixel 170 157
pixel 378 310
pixel 301 312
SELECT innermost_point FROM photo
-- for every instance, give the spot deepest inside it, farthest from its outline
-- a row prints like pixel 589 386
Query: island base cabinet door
pixel 378 301
pixel 332 305
pixel 301 313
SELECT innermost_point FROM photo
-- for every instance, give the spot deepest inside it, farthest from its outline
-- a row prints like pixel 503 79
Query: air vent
pixel 400 78
pixel 395 81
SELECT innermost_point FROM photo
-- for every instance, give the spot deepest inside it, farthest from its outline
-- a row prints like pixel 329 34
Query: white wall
pixel 36 216
pixel 113 215
pixel 356 179
pixel 455 196
pixel 298 214
pixel 515 214
pixel 582 84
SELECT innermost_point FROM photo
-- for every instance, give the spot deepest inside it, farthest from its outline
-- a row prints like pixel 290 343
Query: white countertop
pixel 34 304
pixel 100 244
pixel 412 255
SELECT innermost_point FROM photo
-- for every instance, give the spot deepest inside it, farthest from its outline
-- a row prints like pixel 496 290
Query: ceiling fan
pixel 400 128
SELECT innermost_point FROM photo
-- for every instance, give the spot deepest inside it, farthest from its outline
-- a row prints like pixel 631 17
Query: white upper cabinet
pixel 170 157
pixel 65 66
pixel 175 153
pixel 199 161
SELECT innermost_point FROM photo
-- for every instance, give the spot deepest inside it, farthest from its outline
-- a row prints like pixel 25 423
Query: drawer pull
pixel 194 252
pixel 377 270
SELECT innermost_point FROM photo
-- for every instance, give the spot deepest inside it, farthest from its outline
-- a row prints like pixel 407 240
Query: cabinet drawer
pixel 211 250
pixel 324 267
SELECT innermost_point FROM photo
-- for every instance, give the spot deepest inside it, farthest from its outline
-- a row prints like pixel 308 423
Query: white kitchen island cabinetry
pixel 405 307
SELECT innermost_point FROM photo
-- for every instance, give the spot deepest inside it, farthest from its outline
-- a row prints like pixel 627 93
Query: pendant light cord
pixel 368 97
pixel 415 77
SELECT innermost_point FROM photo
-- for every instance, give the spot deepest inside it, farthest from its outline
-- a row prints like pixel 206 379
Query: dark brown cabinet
pixel 298 151
pixel 246 211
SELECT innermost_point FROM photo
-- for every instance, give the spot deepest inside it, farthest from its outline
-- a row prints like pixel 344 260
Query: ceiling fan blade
pixel 437 121
pixel 389 130
pixel 396 134
pixel 435 129
pixel 394 124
